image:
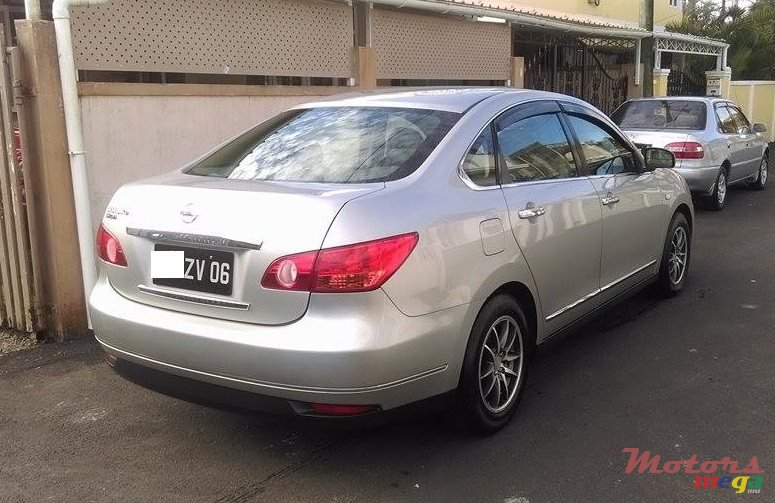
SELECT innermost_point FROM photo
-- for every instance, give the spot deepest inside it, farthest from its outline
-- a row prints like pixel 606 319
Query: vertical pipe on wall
pixel 638 73
pixel 75 143
pixel 32 10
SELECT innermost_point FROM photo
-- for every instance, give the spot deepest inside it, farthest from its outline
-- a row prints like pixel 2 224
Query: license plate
pixel 209 271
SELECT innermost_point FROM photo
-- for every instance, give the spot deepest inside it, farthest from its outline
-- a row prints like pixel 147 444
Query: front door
pixel 633 206
pixel 555 215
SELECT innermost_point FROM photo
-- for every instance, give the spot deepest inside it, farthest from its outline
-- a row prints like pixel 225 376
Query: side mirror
pixel 658 158
pixel 759 128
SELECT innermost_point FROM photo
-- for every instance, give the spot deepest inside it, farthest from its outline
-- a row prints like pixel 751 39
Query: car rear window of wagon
pixel 661 114
pixel 332 145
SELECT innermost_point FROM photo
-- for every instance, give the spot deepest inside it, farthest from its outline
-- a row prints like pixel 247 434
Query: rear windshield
pixel 332 145
pixel 661 114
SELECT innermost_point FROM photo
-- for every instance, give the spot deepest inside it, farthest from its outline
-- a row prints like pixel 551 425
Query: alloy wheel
pixel 721 188
pixel 501 361
pixel 679 252
pixel 763 168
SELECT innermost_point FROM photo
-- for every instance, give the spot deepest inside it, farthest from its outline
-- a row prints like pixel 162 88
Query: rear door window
pixel 661 114
pixel 725 121
pixel 332 145
pixel 535 148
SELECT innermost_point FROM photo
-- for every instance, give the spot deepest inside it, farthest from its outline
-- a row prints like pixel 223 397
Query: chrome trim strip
pixel 194 239
pixel 194 299
pixel 599 291
pixel 627 276
pixel 278 386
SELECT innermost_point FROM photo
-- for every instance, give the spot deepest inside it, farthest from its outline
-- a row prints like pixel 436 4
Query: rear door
pixel 555 215
pixel 736 143
pixel 633 206
pixel 751 144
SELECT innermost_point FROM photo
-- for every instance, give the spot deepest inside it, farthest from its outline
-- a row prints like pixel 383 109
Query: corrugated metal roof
pixel 583 19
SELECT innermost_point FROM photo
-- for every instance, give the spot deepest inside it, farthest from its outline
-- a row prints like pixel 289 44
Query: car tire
pixel 718 199
pixel 495 369
pixel 674 267
pixel 761 177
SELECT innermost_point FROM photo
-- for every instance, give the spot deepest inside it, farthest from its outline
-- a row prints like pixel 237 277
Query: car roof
pixel 704 99
pixel 449 99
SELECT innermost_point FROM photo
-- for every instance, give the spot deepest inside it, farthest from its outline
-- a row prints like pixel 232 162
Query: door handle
pixel 610 199
pixel 531 213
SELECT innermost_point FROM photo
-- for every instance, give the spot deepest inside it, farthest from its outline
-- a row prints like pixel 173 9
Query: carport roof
pixel 557 20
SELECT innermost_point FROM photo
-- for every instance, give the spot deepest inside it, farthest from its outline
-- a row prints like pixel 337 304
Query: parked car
pixel 714 143
pixel 355 256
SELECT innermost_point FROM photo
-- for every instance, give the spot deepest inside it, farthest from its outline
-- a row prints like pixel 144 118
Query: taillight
pixel 109 249
pixel 686 150
pixel 360 267
pixel 293 272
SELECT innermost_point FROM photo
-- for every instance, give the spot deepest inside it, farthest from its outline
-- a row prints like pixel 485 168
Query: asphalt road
pixel 692 375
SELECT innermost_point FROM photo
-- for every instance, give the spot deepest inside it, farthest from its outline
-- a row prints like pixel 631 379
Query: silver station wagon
pixel 714 143
pixel 354 256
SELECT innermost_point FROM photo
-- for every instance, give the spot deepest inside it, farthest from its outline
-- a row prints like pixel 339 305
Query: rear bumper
pixel 356 349
pixel 234 400
pixel 701 180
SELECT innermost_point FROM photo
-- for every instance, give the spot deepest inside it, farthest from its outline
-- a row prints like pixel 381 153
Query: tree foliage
pixel 750 31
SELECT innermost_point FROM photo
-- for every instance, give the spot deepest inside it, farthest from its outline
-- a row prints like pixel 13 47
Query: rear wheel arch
pixel 524 297
pixel 686 212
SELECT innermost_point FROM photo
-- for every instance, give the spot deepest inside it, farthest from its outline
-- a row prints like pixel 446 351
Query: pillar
pixel 517 75
pixel 48 185
pixel 660 81
pixel 365 68
pixel 717 82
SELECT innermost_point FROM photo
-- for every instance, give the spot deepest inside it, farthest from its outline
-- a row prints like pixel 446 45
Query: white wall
pixel 133 137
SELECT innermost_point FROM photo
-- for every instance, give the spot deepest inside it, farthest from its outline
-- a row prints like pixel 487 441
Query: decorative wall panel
pixel 306 38
pixel 418 46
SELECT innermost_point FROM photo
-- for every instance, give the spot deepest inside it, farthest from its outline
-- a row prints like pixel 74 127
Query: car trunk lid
pixel 658 138
pixel 243 224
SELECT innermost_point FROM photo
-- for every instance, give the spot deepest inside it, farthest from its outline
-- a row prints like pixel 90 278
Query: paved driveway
pixel 693 375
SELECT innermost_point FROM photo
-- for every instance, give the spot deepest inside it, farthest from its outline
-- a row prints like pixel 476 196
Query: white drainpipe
pixel 72 108
pixel 32 10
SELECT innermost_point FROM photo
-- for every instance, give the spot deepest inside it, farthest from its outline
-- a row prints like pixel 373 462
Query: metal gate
pixel 680 83
pixel 571 67
pixel 17 277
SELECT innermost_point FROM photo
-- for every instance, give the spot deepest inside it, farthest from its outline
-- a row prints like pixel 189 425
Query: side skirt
pixel 601 309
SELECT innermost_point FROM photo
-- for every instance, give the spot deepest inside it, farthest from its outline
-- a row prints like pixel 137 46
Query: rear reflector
pixel 360 267
pixel 686 150
pixel 330 409
pixel 109 249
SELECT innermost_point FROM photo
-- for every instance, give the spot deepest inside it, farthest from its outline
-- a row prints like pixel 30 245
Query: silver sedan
pixel 355 256
pixel 714 143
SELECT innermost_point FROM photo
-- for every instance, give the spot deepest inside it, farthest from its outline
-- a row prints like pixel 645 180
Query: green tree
pixel 749 31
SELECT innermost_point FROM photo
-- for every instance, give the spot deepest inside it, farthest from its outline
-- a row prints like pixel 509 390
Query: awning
pixel 584 25
pixel 522 16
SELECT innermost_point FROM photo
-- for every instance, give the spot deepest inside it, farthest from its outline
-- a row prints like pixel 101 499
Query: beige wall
pixel 757 99
pixel 133 137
